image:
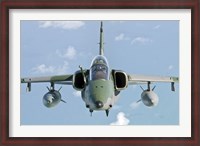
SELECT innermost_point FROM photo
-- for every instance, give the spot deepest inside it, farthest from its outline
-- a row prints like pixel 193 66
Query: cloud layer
pixel 61 24
pixel 45 69
pixel 42 68
pixel 136 40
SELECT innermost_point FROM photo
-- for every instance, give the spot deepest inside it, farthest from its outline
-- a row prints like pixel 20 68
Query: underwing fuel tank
pixel 51 98
pixel 149 98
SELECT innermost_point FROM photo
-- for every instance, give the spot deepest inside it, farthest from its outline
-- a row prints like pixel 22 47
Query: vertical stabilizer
pixel 101 43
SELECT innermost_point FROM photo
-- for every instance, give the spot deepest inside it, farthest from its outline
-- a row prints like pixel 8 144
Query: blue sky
pixel 137 47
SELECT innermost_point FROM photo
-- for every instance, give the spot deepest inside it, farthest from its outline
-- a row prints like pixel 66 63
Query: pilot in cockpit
pixel 99 69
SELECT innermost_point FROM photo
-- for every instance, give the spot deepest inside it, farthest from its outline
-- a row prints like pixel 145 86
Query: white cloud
pixel 42 68
pixel 156 27
pixel 170 67
pixel 45 69
pixel 77 93
pixel 135 105
pixel 62 69
pixel 61 24
pixel 69 53
pixel 121 119
pixel 141 40
pixel 121 37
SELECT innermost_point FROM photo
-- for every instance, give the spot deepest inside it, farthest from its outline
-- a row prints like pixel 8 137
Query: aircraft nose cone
pixel 99 104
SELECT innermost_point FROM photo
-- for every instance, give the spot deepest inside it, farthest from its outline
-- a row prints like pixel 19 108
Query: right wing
pixel 59 79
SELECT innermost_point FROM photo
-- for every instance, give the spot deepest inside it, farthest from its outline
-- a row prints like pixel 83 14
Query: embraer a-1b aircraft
pixel 99 85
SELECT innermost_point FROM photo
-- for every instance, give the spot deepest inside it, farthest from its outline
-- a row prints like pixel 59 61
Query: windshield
pixel 99 69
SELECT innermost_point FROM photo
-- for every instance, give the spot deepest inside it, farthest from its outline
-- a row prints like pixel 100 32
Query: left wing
pixel 59 79
pixel 140 79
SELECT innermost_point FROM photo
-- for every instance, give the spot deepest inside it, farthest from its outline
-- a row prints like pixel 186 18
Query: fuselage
pixel 99 92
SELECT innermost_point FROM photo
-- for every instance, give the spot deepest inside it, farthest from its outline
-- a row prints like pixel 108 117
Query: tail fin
pixel 101 43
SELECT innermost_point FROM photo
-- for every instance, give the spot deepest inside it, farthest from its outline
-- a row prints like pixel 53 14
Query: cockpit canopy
pixel 99 68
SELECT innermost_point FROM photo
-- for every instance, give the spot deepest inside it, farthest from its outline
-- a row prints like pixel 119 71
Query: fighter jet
pixel 100 85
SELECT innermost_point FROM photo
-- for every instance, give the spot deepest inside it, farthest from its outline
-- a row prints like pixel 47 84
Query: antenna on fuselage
pixel 101 43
